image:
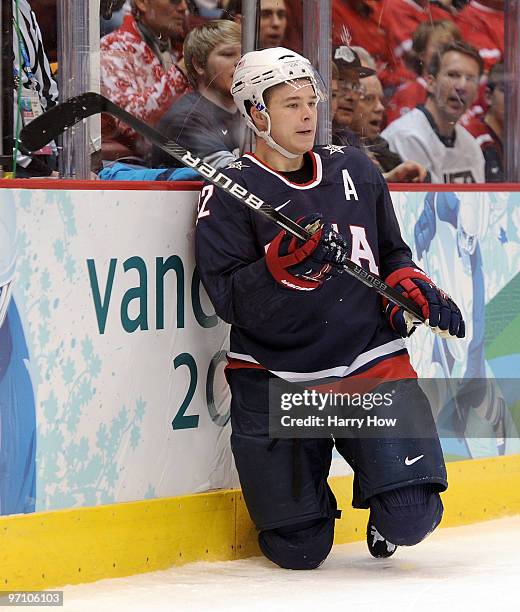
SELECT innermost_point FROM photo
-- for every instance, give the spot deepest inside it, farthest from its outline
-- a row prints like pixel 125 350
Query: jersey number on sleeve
pixel 204 197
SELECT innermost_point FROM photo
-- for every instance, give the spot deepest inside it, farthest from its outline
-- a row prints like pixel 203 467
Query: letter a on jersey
pixel 361 249
pixel 350 188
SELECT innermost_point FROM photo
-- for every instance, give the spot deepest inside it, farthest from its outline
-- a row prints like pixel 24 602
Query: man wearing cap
pixel 350 89
pixel 351 71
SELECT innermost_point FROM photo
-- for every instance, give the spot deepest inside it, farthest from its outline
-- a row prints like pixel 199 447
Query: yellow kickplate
pixel 50 549
pixel 85 544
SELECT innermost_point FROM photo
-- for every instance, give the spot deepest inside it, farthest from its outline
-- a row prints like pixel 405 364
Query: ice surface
pixel 474 568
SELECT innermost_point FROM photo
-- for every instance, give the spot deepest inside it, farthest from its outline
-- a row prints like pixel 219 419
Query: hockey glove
pixel 440 311
pixel 305 266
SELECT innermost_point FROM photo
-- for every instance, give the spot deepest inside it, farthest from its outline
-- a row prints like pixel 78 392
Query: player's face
pixel 349 90
pixel 370 109
pixel 294 112
pixel 273 22
pixel 220 66
pixel 455 88
pixel 165 17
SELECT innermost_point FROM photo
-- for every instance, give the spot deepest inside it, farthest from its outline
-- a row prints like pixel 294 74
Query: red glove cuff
pixel 277 264
pixel 403 280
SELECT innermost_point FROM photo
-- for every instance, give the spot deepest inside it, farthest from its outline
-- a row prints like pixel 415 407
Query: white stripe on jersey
pixel 339 371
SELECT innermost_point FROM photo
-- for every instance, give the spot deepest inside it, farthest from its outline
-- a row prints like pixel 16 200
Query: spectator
pixel 358 22
pixel 431 134
pixel 400 19
pixel 286 15
pixel 346 90
pixel 366 59
pixel 427 40
pixel 482 25
pixel 206 121
pixel 350 71
pixel 273 23
pixel 489 130
pixel 341 133
pixel 138 70
pixel 367 123
pixel 36 91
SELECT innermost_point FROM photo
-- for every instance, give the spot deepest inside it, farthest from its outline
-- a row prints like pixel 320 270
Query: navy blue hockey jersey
pixel 334 331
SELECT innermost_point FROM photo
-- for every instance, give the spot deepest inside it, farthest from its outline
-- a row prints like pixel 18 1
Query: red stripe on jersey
pixel 238 364
pixel 391 368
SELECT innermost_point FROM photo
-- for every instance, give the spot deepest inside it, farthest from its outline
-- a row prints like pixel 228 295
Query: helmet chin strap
pixel 266 135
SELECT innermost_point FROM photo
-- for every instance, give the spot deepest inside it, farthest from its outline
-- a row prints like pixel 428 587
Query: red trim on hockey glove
pixel 277 264
pixel 404 277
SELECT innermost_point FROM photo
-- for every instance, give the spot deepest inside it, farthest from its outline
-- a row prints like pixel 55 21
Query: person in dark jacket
pixel 206 121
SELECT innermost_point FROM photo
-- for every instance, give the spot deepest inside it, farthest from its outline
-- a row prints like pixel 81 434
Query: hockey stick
pixel 58 119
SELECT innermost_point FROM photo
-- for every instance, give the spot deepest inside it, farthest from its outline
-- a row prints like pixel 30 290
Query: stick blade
pixel 60 118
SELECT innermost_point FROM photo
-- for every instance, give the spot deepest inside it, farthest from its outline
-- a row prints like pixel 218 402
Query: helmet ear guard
pixel 258 71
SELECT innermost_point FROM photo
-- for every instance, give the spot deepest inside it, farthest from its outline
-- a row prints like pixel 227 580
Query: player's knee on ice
pixel 303 546
pixel 405 516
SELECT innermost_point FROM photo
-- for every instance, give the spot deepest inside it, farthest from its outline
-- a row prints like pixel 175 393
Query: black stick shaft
pixel 63 116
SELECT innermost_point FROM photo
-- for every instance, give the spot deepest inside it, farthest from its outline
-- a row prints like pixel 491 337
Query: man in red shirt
pixel 400 19
pixel 489 130
pixel 356 22
pixel 482 25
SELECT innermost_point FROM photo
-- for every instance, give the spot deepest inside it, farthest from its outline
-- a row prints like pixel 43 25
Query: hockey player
pixel 296 317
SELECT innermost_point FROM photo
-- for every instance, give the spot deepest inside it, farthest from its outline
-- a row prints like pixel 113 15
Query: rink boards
pixel 124 399
pixel 51 549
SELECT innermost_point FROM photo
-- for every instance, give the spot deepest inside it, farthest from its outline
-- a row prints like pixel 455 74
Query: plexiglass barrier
pixel 428 90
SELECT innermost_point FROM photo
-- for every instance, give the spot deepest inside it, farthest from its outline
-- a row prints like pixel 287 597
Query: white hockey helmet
pixel 260 70
pixel 8 248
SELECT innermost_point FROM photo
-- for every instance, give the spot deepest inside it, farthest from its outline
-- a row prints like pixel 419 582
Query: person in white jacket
pixel 431 134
